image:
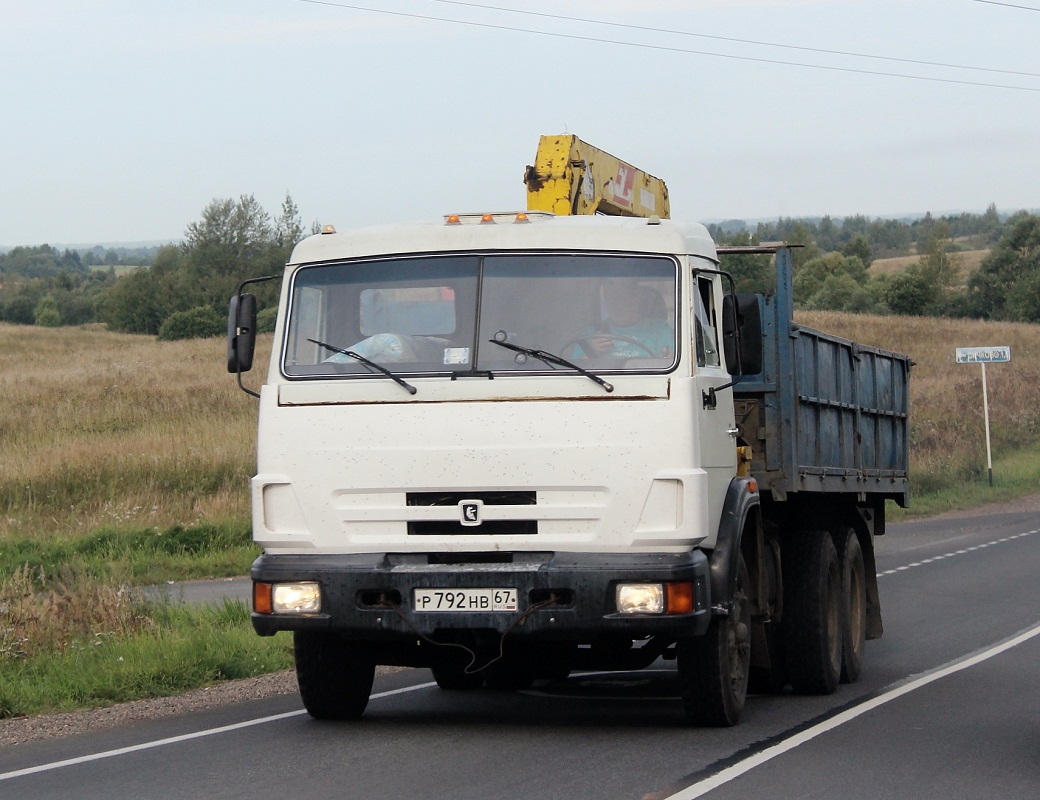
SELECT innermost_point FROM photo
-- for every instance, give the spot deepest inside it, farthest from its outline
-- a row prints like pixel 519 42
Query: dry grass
pixel 947 430
pixel 967 261
pixel 113 430
pixel 105 430
pixel 78 612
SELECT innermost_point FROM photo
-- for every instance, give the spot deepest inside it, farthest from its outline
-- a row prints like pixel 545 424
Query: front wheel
pixel 714 668
pixel 335 676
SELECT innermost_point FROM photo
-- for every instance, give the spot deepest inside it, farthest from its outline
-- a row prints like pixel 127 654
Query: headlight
pixel 293 598
pixel 640 598
pixel 655 598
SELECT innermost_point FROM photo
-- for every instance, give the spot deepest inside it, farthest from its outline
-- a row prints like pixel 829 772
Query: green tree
pixel 46 313
pixel 841 292
pixel 1000 288
pixel 288 228
pixel 136 304
pixel 751 272
pixel 859 247
pixel 810 277
pixel 910 292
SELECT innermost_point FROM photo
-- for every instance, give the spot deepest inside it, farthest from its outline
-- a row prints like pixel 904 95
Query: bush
pixel 265 320
pixel 46 313
pixel 195 323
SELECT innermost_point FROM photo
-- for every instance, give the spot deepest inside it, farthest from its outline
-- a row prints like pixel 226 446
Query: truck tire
pixel 812 612
pixel 453 677
pixel 714 668
pixel 335 676
pixel 771 679
pixel 854 604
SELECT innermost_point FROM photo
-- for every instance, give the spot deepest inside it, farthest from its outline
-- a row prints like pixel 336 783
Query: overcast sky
pixel 123 119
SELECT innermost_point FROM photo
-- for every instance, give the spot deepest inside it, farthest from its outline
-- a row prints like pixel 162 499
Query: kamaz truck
pixel 509 446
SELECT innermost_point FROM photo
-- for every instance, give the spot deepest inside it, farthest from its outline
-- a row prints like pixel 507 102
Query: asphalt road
pixel 948 707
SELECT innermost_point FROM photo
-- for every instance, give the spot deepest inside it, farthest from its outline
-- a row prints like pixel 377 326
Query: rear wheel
pixel 854 604
pixel 812 612
pixel 714 668
pixel 335 676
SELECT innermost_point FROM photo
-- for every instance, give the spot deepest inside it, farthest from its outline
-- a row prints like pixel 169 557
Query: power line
pixel 1008 5
pixel 743 41
pixel 663 48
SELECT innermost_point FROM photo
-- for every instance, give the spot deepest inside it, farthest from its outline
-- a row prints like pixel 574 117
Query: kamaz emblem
pixel 470 512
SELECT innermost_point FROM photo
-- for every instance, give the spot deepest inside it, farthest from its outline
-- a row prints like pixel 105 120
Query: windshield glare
pixel 437 314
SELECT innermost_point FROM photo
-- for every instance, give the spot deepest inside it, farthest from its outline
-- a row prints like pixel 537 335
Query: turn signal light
pixel 679 597
pixel 262 598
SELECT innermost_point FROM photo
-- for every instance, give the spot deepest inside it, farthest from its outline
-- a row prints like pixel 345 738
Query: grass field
pixel 105 430
pixel 967 260
pixel 126 461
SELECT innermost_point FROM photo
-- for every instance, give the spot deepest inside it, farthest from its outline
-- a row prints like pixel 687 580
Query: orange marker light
pixel 679 598
pixel 453 219
pixel 262 598
pixel 487 218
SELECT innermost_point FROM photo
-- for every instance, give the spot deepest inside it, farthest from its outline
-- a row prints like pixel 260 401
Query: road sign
pixel 983 355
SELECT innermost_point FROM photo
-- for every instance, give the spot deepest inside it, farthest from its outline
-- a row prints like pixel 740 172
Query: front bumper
pixel 561 596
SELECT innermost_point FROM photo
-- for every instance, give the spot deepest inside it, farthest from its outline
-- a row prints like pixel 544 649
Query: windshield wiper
pixel 368 363
pixel 551 359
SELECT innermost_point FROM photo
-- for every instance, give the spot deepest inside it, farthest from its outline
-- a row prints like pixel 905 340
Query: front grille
pixel 454 527
pixel 487 498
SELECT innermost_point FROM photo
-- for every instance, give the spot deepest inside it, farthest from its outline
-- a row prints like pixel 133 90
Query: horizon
pixel 907 218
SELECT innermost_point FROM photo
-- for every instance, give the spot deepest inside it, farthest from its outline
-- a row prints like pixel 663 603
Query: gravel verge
pixel 50 726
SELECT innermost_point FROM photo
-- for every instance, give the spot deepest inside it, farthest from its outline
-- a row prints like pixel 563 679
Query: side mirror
pixel 742 334
pixel 241 333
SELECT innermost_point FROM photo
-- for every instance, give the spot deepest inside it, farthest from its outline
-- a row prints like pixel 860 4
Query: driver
pixel 629 316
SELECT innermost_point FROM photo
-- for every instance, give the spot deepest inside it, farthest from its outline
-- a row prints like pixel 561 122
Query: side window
pixel 705 324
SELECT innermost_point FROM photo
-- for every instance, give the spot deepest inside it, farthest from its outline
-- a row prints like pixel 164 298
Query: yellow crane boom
pixel 570 176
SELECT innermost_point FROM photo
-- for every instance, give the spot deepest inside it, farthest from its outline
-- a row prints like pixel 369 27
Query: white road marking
pixel 701 788
pixel 183 738
pixel 953 553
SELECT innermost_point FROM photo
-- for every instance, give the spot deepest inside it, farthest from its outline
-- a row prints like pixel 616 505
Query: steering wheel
pixel 580 340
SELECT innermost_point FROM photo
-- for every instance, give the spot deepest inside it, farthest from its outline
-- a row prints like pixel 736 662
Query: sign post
pixel 983 356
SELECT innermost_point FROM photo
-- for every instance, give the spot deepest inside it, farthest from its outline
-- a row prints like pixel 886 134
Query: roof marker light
pixel 521 217
pixel 328 229
pixel 453 219
pixel 487 219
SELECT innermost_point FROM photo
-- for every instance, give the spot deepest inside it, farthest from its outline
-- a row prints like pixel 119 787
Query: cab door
pixel 715 420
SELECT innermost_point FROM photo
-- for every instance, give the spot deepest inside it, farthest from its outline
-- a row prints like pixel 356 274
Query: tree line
pixel 182 290
pixel 833 259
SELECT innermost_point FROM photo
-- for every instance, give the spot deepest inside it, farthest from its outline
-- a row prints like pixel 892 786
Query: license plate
pixel 465 600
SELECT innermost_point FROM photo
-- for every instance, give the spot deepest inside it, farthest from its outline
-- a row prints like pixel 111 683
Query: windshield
pixel 445 314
